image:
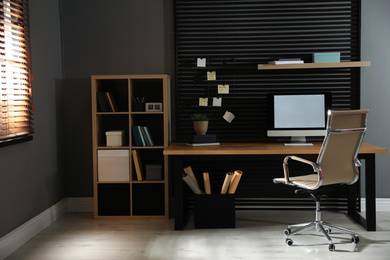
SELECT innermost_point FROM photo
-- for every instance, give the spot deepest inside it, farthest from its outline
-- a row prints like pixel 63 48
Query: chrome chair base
pixel 320 226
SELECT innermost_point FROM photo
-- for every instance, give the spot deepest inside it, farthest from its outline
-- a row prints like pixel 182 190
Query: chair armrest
pixel 286 170
pixel 299 159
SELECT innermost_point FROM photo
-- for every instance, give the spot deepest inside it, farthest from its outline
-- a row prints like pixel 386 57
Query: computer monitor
pixel 298 116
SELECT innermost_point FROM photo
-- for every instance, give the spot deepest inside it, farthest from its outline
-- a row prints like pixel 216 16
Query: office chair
pixel 336 164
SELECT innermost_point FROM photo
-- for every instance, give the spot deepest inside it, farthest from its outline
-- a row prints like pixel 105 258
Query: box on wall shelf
pixel 214 211
pixel 113 165
pixel 324 57
pixel 153 171
pixel 115 138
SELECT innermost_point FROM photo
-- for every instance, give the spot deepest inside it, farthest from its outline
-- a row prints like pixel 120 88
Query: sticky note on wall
pixel 211 75
pixel 201 62
pixel 228 116
pixel 203 102
pixel 223 89
pixel 217 102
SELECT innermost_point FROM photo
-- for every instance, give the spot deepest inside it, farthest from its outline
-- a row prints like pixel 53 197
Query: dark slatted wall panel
pixel 256 188
pixel 235 36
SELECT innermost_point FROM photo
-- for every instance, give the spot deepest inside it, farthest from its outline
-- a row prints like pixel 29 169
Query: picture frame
pixel 155 107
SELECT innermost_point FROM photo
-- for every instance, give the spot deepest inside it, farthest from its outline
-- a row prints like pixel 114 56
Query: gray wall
pixel 32 174
pixel 375 83
pixel 129 37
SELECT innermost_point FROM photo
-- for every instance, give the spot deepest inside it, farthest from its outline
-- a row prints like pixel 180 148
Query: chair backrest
pixel 338 155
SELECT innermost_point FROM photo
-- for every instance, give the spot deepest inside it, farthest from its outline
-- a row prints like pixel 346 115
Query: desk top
pixel 257 148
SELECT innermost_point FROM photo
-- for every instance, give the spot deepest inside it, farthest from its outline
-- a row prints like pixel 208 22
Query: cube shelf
pixel 115 107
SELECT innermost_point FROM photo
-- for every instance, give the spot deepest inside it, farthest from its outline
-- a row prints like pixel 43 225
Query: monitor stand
pixel 298 141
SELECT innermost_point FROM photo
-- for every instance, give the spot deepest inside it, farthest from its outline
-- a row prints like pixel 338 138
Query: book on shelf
pixel 139 170
pixel 146 139
pixel 111 101
pixel 286 61
pixel 114 102
pixel 148 136
pixel 141 136
pixel 100 102
pixel 106 102
pixel 203 144
pixel 136 135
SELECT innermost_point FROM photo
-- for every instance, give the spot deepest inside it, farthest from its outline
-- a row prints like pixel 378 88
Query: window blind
pixel 15 65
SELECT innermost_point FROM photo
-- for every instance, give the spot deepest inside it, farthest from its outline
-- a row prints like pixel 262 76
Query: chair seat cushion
pixel 306 181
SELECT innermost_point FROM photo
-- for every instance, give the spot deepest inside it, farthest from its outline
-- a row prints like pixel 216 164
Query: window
pixel 15 66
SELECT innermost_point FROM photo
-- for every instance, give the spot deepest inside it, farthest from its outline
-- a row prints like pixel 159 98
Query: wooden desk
pixel 180 152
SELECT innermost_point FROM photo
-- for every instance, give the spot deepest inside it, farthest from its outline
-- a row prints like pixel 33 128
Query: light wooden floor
pixel 258 235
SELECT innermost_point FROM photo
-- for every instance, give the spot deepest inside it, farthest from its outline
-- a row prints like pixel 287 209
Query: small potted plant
pixel 201 123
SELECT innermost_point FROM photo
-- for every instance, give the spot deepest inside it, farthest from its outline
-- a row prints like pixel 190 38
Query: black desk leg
pixel 179 201
pixel 369 223
pixel 370 193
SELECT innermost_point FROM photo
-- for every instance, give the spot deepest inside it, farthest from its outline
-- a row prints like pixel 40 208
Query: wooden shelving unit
pixel 314 65
pixel 131 198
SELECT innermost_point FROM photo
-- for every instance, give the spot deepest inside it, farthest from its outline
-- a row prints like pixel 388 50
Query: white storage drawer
pixel 113 165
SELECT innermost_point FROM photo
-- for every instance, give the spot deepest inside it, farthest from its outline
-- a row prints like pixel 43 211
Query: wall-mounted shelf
pixel 314 65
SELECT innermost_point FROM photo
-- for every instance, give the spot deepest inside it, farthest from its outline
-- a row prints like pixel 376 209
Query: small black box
pixel 215 211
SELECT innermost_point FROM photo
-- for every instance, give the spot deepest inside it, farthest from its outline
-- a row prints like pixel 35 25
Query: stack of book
pixel 286 61
pixel 203 140
pixel 106 102
pixel 142 136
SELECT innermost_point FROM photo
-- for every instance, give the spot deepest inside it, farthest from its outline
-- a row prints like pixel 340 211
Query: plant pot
pixel 200 127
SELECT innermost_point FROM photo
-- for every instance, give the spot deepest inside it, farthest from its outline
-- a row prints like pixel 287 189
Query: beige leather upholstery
pixel 337 161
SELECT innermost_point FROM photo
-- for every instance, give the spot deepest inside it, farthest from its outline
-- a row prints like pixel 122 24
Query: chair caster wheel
pixel 289 241
pixel 328 230
pixel 332 247
pixel 287 231
pixel 355 239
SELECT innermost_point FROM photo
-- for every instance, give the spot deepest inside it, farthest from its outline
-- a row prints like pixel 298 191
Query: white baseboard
pixel 16 238
pixel 25 232
pixel 381 204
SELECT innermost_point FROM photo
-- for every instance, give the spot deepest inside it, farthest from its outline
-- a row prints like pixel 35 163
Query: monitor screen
pixel 297 115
